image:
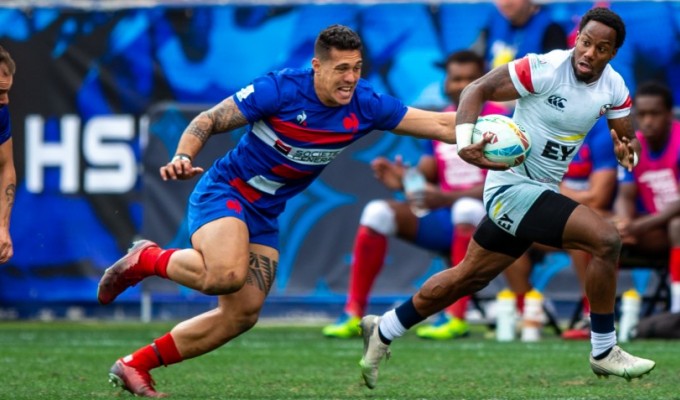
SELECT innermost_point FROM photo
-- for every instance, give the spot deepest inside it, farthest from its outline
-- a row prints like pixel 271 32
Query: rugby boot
pixel 448 328
pixel 346 327
pixel 374 350
pixel 124 273
pixel 135 381
pixel 620 363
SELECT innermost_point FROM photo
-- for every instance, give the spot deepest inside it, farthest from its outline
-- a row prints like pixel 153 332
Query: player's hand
pixel 623 148
pixel 432 197
pixel 474 154
pixel 6 247
pixel 179 168
pixel 389 173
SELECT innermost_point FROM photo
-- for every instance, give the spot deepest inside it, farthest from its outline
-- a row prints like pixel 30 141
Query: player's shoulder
pixel 553 59
pixel 291 83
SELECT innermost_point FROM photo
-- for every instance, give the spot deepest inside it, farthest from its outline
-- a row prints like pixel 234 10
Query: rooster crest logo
pixel 302 118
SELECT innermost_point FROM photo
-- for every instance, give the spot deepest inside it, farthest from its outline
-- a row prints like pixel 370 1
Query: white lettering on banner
pixel 41 154
pixel 664 187
pixel 111 164
pixel 117 172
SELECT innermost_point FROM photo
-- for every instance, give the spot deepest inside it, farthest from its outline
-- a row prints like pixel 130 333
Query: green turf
pixel 71 360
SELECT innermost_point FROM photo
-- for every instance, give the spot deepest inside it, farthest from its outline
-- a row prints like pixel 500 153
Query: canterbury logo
pixel 556 101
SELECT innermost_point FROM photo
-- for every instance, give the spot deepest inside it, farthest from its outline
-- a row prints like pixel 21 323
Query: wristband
pixel 636 159
pixel 464 135
pixel 182 157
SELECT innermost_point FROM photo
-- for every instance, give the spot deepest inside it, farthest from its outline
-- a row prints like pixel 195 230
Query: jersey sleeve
pixel 387 111
pixel 625 176
pixel 428 148
pixel 5 125
pixel 621 101
pixel 259 99
pixel 602 147
pixel 532 74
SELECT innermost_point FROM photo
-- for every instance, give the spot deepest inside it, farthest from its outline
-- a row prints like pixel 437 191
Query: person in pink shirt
pixel 648 202
pixel 441 218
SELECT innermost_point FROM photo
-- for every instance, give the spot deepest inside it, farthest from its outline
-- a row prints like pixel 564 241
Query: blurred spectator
pixel 648 202
pixel 520 27
pixel 7 172
pixel 453 193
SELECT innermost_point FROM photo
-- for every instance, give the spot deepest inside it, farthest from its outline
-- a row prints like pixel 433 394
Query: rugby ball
pixel 510 144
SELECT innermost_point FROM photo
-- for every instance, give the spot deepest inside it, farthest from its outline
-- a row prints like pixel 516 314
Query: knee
pixel 609 243
pixel 224 280
pixel 379 216
pixel 674 231
pixel 467 210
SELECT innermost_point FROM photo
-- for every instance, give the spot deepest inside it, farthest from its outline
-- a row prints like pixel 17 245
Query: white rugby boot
pixel 374 350
pixel 620 363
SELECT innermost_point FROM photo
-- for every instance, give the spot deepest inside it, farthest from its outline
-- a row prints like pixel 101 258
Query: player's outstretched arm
pixel 223 117
pixel 428 125
pixel 7 194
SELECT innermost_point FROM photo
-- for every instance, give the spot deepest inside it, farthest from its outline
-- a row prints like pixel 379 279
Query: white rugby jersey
pixel 557 111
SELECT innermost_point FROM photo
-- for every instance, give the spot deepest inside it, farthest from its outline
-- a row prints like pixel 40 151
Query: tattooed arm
pixel 8 191
pixel 223 117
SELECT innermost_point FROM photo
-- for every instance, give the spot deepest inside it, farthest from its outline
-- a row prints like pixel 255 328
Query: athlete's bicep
pixel 226 116
pixel 497 85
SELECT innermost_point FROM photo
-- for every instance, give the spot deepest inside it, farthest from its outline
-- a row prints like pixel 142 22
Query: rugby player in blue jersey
pixel 8 176
pixel 299 120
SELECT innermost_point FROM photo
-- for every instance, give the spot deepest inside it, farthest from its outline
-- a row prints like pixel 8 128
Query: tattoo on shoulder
pixel 261 272
pixel 221 118
pixel 10 192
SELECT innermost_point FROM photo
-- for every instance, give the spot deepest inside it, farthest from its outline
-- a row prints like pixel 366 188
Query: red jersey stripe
pixel 312 136
pixel 626 104
pixel 287 171
pixel 523 70
pixel 247 191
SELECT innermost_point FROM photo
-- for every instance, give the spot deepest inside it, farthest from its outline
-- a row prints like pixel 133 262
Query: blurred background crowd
pixel 102 93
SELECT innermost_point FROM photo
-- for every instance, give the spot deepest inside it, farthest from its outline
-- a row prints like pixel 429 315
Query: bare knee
pixel 674 231
pixel 224 280
pixel 609 244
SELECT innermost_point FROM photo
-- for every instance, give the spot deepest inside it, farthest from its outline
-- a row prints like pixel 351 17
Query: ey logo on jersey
pixel 556 102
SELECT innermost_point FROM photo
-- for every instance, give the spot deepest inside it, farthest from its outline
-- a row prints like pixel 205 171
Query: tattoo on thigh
pixel 261 272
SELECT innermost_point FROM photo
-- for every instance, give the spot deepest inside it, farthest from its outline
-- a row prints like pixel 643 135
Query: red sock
pixel 370 248
pixel 674 264
pixel 161 352
pixel 459 244
pixel 519 302
pixel 154 261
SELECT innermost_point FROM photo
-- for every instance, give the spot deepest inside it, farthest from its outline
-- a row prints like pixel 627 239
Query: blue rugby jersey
pixel 5 126
pixel 292 136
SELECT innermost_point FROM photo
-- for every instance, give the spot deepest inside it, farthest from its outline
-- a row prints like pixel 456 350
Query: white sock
pixel 390 326
pixel 602 342
pixel 675 297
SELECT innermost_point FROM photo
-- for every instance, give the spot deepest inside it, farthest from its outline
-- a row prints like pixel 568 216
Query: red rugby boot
pixel 124 273
pixel 135 381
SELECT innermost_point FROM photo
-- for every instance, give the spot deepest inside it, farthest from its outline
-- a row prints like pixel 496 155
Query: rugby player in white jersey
pixel 560 95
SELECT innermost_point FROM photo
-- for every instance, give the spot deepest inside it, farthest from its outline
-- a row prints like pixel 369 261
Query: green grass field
pixel 71 361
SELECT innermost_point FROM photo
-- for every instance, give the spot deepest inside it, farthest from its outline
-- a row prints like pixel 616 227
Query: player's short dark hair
pixel 654 88
pixel 337 37
pixel 464 57
pixel 6 58
pixel 609 18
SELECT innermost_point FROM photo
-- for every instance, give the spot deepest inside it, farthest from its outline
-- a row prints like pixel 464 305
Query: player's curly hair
pixel 337 37
pixel 653 88
pixel 609 18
